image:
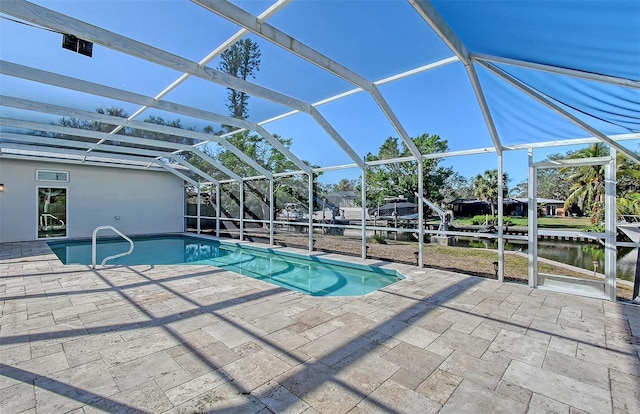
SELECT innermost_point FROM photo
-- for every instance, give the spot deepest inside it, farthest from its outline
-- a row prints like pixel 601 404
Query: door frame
pixel 609 235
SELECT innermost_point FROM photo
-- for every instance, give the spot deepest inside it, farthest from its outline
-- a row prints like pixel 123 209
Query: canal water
pixel 578 254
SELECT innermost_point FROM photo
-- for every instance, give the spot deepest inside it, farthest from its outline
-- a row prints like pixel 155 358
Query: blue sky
pixel 373 38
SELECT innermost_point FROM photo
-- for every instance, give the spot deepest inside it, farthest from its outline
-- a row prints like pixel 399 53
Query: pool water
pixel 310 275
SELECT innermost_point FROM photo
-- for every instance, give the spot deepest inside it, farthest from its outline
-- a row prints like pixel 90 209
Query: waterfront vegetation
pixel 558 223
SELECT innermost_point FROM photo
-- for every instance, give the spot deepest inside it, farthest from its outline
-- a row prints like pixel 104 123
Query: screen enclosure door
pixel 595 286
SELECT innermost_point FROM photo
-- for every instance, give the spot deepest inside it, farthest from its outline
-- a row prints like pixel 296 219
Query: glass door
pixel 52 212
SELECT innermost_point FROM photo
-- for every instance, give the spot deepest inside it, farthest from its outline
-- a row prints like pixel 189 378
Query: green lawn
pixel 564 223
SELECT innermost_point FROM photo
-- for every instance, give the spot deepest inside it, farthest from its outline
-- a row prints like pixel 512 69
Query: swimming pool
pixel 307 274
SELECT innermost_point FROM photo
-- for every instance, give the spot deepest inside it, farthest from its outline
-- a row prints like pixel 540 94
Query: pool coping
pixel 400 271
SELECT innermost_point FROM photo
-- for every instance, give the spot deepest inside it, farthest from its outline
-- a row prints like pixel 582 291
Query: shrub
pixel 480 219
pixel 492 221
pixel 378 238
pixel 596 228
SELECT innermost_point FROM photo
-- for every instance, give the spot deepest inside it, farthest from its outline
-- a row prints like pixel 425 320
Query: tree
pixel 142 133
pixel 520 190
pixel 257 192
pixel 159 136
pixel 346 185
pixel 485 187
pixel 627 175
pixel 93 125
pixel 587 189
pixel 552 182
pixel 629 205
pixel 401 178
pixel 241 60
pixel 456 187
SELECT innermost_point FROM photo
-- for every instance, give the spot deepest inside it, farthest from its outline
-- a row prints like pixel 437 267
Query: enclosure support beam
pixel 363 198
pixel 280 147
pixel 49 78
pixel 337 138
pixel 10 155
pixel 218 210
pixel 442 29
pixel 273 9
pixel 59 22
pixel 198 209
pixel 420 213
pixel 241 184
pixel 122 122
pixel 217 164
pixel 383 81
pixel 437 23
pixel 610 251
pixel 559 110
pixel 558 70
pixel 100 155
pixel 482 101
pixel 174 172
pixel 195 169
pixel 310 212
pixel 102 136
pixel 500 219
pixel 57 142
pixel 576 162
pixel 271 212
pixel 533 224
pixel 263 29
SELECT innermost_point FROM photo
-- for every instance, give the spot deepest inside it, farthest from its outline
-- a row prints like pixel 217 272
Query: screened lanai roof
pixel 336 77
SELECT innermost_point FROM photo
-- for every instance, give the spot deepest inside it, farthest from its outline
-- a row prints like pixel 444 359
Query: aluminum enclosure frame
pixel 167 155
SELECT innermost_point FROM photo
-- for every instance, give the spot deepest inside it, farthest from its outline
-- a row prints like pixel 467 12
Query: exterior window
pixel 52 212
pixel 46 175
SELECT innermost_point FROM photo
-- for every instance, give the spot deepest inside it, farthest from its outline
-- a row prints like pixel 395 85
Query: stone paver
pixel 472 398
pixel 393 397
pixel 559 387
pixel 185 339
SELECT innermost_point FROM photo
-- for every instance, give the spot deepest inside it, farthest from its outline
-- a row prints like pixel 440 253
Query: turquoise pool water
pixel 310 275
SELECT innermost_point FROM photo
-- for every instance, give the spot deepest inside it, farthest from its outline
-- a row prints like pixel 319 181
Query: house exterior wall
pixel 133 201
pixel 557 207
pixel 512 207
pixel 546 209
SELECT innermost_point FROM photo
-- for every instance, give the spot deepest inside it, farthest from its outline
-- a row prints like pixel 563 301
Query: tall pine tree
pixel 241 60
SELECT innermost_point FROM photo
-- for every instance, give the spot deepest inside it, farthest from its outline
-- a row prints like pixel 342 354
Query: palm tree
pixel 629 205
pixel 587 188
pixel 628 177
pixel 485 187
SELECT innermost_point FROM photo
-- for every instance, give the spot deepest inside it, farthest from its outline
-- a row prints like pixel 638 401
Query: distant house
pixel 512 207
pixel 549 207
pixel 470 207
pixel 342 198
pixel 396 209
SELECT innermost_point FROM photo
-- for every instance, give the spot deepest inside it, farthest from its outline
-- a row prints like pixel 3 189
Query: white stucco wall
pixel 146 202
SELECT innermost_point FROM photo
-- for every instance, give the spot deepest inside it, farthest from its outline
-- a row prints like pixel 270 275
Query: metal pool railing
pixel 115 256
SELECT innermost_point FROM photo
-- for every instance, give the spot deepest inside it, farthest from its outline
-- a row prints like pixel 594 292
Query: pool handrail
pixel 115 256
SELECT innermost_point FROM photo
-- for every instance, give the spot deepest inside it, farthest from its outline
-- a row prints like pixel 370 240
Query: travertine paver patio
pixel 196 339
